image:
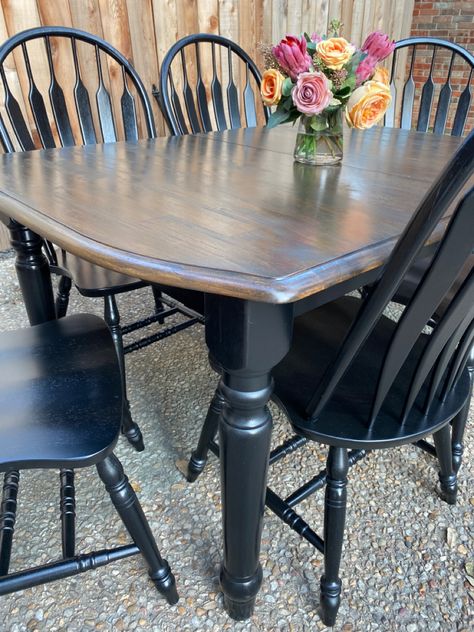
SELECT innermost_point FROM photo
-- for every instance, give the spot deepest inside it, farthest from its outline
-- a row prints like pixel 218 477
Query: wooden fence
pixel 143 30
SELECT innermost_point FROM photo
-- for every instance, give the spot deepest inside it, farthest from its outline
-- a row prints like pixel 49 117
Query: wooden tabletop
pixel 229 213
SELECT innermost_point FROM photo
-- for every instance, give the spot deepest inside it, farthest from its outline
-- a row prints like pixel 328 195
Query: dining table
pixel 232 215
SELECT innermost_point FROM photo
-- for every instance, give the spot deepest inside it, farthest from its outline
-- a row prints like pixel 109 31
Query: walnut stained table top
pixel 230 212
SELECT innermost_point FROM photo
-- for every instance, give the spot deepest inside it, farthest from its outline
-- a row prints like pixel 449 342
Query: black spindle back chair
pixel 209 83
pixel 357 379
pixel 101 99
pixel 53 122
pixel 60 408
pixel 423 106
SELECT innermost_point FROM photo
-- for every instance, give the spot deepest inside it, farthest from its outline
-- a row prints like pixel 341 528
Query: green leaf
pixel 287 87
pixel 319 123
pixel 354 61
pixel 286 103
pixel 343 92
pixel 277 117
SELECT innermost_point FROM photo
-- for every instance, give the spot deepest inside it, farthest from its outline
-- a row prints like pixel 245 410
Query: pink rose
pixel 378 45
pixel 316 38
pixel 292 56
pixel 312 93
pixel 365 69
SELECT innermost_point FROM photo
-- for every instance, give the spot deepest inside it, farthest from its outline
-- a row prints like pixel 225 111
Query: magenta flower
pixel 312 93
pixel 316 38
pixel 365 69
pixel 292 56
pixel 378 45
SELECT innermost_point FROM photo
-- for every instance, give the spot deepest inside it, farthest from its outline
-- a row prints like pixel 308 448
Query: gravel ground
pixel 405 554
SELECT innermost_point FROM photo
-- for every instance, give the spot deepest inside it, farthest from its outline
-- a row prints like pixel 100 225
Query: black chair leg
pixel 447 475
pixel 68 513
pixel 198 459
pixel 62 297
pixel 129 428
pixel 8 517
pixel 128 507
pixel 334 519
pixel 159 306
pixel 459 422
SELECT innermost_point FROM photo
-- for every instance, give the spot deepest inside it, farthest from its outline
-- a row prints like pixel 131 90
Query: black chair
pixel 419 88
pixel 356 379
pixel 61 407
pixel 69 117
pixel 454 58
pixel 205 65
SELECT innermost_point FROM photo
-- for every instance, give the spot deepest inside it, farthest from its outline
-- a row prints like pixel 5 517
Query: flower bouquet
pixel 318 79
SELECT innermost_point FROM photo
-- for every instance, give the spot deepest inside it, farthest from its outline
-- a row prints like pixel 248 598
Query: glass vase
pixel 319 139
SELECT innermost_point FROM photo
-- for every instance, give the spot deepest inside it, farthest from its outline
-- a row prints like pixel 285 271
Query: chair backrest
pixel 420 65
pixel 194 74
pixel 454 332
pixel 52 114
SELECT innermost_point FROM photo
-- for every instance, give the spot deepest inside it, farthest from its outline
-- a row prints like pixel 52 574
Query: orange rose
pixel 335 52
pixel 381 74
pixel 270 88
pixel 367 104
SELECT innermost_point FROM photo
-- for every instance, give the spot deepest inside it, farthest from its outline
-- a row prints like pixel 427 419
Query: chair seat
pixel 344 421
pixel 92 280
pixel 60 394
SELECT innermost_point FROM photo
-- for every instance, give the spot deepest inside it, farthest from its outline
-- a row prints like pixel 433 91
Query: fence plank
pixel 53 13
pixel 142 34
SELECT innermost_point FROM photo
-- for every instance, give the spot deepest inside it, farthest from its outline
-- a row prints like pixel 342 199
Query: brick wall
pixel 451 20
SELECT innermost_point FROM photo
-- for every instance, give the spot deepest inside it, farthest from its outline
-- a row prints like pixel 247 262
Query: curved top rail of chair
pixel 436 41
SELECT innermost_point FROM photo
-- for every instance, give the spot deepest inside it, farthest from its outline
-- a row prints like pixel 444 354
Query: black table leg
pixel 33 272
pixel 248 339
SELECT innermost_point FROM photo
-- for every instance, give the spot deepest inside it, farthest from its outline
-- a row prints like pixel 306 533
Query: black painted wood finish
pixel 431 51
pixel 61 407
pixel 355 378
pixel 230 83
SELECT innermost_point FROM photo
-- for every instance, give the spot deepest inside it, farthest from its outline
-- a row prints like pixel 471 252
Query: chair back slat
pixel 389 118
pixel 249 101
pixel 219 65
pixel 83 104
pixel 445 268
pixel 463 108
pixel 216 91
pixel 5 139
pixel 38 107
pixel 440 365
pixel 177 120
pixel 232 95
pixel 408 97
pixel 201 95
pixel 426 100
pixel 104 105
pixel 451 328
pixel 58 103
pixel 429 213
pixel 461 357
pixel 189 99
pixel 18 123
pixel 444 102
pixel 129 111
